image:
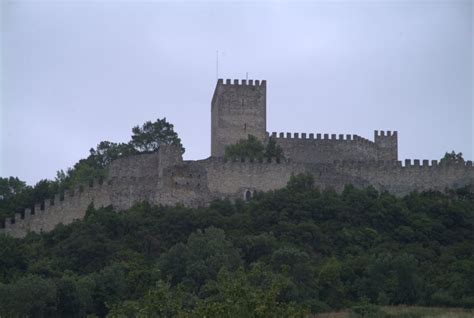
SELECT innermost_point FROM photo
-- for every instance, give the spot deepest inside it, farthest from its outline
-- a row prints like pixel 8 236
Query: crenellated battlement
pixel 260 161
pixel 407 163
pixel 325 147
pixel 63 207
pixel 387 142
pixel 434 163
pixel 383 133
pixel 319 136
pixel 243 82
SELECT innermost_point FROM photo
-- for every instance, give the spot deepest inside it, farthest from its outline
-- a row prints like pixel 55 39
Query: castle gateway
pixel 238 109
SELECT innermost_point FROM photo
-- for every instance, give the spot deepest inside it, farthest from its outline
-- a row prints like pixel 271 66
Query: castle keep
pixel 237 110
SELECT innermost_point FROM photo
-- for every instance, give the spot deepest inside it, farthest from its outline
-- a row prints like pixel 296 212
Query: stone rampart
pixel 417 175
pixel 313 148
pixel 231 179
pixel 130 180
pixel 64 208
pixel 316 148
pixel 171 181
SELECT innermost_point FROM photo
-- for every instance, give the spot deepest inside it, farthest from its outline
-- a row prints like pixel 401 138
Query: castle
pixel 238 109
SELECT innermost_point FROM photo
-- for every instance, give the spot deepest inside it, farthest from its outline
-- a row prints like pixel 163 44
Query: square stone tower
pixel 387 144
pixel 237 110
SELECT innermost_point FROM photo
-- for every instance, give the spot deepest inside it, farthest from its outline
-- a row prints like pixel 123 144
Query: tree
pixel 200 259
pixel 301 182
pixel 160 301
pixel 74 295
pixel 254 293
pixel 10 187
pixel 151 135
pixel 15 195
pixel 12 196
pixel 108 151
pixel 273 150
pixel 245 148
pixel 452 157
pixel 254 149
pixel 30 296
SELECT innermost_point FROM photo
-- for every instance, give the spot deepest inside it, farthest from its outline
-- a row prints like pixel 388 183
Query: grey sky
pixel 76 73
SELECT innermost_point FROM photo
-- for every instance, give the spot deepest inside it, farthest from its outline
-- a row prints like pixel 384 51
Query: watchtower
pixel 387 144
pixel 237 110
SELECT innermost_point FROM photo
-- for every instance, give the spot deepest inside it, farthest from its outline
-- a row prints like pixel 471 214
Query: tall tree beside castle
pixel 145 139
pixel 151 135
pixel 252 148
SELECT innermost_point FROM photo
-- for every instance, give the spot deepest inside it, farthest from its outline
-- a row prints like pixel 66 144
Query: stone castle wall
pixel 164 178
pixel 239 109
pixel 416 175
pixel 312 148
pixel 130 180
pixel 62 209
pixel 232 179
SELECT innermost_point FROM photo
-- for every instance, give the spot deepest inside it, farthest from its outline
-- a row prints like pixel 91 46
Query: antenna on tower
pixel 217 65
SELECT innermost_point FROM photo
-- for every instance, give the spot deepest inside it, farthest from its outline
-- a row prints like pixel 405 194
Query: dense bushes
pixel 284 253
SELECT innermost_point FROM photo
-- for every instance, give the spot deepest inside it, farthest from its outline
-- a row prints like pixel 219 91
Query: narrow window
pixel 248 195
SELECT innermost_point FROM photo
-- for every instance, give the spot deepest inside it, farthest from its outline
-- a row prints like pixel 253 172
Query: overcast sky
pixel 76 73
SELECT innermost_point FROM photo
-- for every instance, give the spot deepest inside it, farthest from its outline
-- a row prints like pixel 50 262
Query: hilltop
pixel 283 253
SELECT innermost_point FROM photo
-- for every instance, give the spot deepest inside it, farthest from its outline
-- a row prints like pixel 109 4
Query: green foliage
pixel 247 294
pixel 13 258
pixel 452 157
pixel 254 149
pixel 10 187
pixel 15 195
pixel 108 151
pixel 235 294
pixel 30 296
pixel 273 150
pixel 365 309
pixel 151 135
pixel 301 182
pixel 144 139
pixel 281 254
pixel 200 259
pixel 74 295
pixel 159 301
pixel 245 148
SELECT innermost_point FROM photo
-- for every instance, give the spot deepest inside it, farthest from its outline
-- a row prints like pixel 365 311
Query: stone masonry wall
pixel 238 109
pixel 62 209
pixel 231 179
pixel 317 148
pixel 325 147
pixel 419 175
pixel 172 181
pixel 130 180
